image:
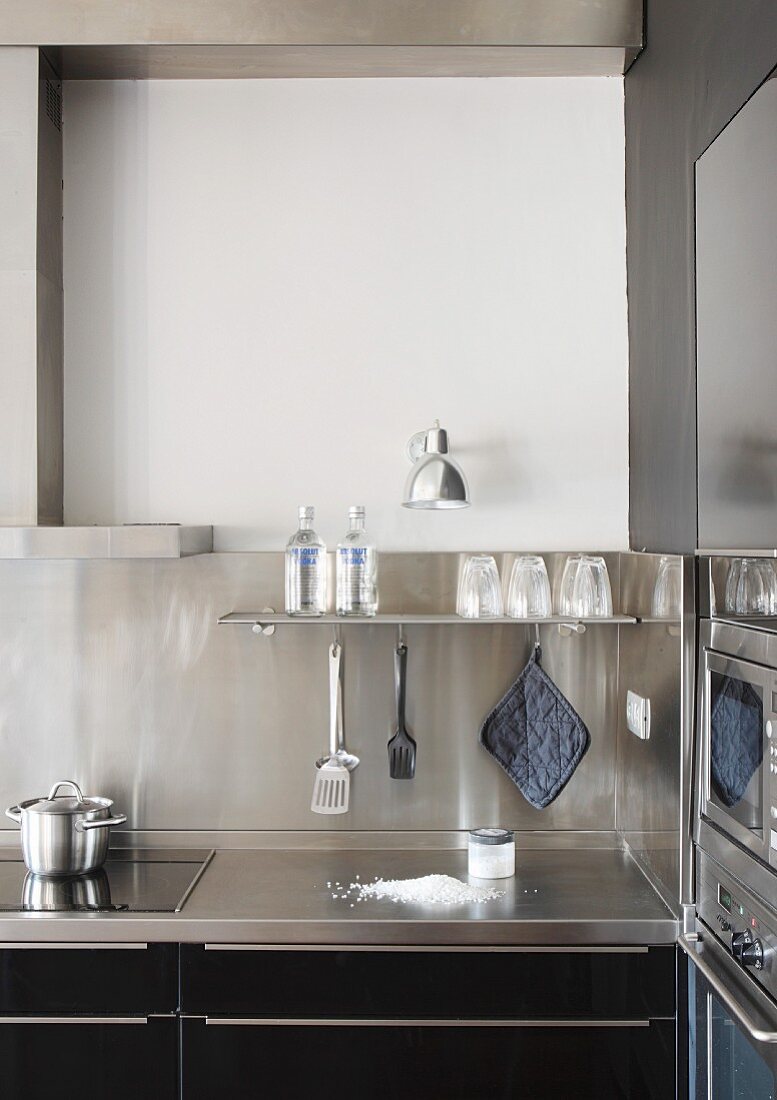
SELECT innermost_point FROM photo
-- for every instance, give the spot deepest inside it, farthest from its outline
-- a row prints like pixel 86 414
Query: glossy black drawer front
pixel 55 980
pixel 427 1062
pixel 434 984
pixel 115 1060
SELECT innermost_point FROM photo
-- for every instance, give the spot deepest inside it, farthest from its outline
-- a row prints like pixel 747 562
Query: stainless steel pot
pixel 41 893
pixel 62 834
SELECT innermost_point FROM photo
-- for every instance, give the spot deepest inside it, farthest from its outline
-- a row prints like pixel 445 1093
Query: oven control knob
pixel 739 942
pixel 753 955
pixel 746 950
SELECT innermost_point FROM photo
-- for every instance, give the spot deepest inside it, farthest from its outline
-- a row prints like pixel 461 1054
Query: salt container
pixel 491 853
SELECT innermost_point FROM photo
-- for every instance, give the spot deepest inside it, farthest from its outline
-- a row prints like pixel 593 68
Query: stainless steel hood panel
pixel 31 295
pixel 155 540
pixel 256 62
pixel 95 39
pixel 333 23
pixel 583 897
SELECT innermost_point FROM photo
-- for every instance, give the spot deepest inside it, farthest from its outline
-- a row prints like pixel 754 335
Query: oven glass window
pixel 736 748
pixel 738 1071
pixel 723 1064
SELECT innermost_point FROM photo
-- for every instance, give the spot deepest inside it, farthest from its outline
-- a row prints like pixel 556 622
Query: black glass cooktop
pixel 131 881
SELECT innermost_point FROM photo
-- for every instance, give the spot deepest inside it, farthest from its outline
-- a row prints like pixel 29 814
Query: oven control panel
pixel 740 920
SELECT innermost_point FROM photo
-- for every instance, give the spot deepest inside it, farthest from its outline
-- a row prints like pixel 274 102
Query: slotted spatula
pixel 401 747
pixel 331 789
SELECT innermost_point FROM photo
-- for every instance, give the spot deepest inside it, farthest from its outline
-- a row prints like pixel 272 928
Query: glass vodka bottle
pixel 357 569
pixel 305 569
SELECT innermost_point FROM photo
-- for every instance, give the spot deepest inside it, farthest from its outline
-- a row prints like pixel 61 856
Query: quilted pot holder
pixel 736 739
pixel 535 735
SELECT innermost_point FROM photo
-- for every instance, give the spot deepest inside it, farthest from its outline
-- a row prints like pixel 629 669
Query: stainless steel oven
pixel 732 982
pixel 731 942
pixel 737 742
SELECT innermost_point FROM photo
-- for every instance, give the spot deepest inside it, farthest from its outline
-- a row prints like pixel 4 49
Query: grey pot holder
pixel 535 735
pixel 736 738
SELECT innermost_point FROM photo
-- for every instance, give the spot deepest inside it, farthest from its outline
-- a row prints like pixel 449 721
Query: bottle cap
pixel 307 511
pixel 491 836
pixel 356 510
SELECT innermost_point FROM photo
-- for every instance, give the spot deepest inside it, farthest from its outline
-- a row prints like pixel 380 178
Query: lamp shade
pixel 436 480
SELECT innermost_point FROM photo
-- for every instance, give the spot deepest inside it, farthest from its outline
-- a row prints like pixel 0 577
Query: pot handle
pixel 101 823
pixel 15 814
pixel 65 783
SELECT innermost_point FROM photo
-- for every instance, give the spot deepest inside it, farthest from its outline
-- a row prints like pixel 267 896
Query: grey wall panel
pixel 736 287
pixel 702 60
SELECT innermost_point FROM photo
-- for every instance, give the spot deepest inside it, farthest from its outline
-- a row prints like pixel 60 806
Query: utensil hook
pixel 400 635
pixel 537 646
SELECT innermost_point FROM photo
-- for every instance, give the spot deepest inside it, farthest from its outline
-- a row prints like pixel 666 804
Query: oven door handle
pixel 688 944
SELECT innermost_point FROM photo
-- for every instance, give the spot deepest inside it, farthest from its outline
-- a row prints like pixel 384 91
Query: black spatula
pixel 401 747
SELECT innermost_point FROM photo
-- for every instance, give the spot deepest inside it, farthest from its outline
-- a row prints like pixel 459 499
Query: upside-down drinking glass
pixel 585 588
pixel 751 587
pixel 668 589
pixel 528 595
pixel 480 592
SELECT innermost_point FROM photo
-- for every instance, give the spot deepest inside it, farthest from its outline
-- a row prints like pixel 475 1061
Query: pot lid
pixel 65 804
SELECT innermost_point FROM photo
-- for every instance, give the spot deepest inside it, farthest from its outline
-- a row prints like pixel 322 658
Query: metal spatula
pixel 331 790
pixel 401 747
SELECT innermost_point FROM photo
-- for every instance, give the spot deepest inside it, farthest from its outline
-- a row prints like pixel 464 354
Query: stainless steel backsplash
pixel 116 673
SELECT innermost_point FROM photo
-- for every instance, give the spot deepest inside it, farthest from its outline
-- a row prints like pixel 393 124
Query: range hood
pixel 42 41
pixel 109 39
pixel 141 540
pixel 31 318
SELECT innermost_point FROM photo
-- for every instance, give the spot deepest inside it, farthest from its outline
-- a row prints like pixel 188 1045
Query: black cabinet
pixel 453 1025
pixel 421 1062
pixel 101 1019
pixel 588 984
pixel 192 1023
pixel 55 980
pixel 124 1058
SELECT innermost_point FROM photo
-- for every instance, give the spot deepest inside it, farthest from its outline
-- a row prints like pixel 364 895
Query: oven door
pixel 732 1027
pixel 736 764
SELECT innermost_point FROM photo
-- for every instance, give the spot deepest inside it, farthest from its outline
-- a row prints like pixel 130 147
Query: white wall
pixel 270 285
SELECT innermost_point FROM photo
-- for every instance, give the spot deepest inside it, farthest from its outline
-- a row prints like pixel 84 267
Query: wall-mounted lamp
pixel 436 480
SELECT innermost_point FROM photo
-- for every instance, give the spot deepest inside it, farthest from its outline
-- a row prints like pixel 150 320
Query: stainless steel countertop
pixel 558 897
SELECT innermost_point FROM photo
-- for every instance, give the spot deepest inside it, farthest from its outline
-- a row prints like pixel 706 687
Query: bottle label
pixel 353 555
pixel 306 556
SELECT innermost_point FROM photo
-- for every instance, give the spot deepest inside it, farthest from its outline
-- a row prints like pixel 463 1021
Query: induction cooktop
pixel 132 880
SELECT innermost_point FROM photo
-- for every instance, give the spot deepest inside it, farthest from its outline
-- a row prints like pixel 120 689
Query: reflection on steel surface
pixel 117 672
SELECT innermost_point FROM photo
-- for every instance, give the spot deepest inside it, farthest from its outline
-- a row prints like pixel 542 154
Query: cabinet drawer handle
pixel 427 949
pixel 227 1021
pixel 73 1020
pixel 52 945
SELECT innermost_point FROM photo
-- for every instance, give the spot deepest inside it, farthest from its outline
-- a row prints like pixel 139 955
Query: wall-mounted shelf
pixel 142 540
pixel 266 618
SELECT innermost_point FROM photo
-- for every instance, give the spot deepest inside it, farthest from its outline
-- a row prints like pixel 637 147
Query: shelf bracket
pixel 266 629
pixel 565 629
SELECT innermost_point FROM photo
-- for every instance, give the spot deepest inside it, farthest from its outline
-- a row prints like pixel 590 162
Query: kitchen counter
pixel 594 896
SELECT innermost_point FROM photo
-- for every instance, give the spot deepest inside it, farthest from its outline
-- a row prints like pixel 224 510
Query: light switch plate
pixel 638 715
